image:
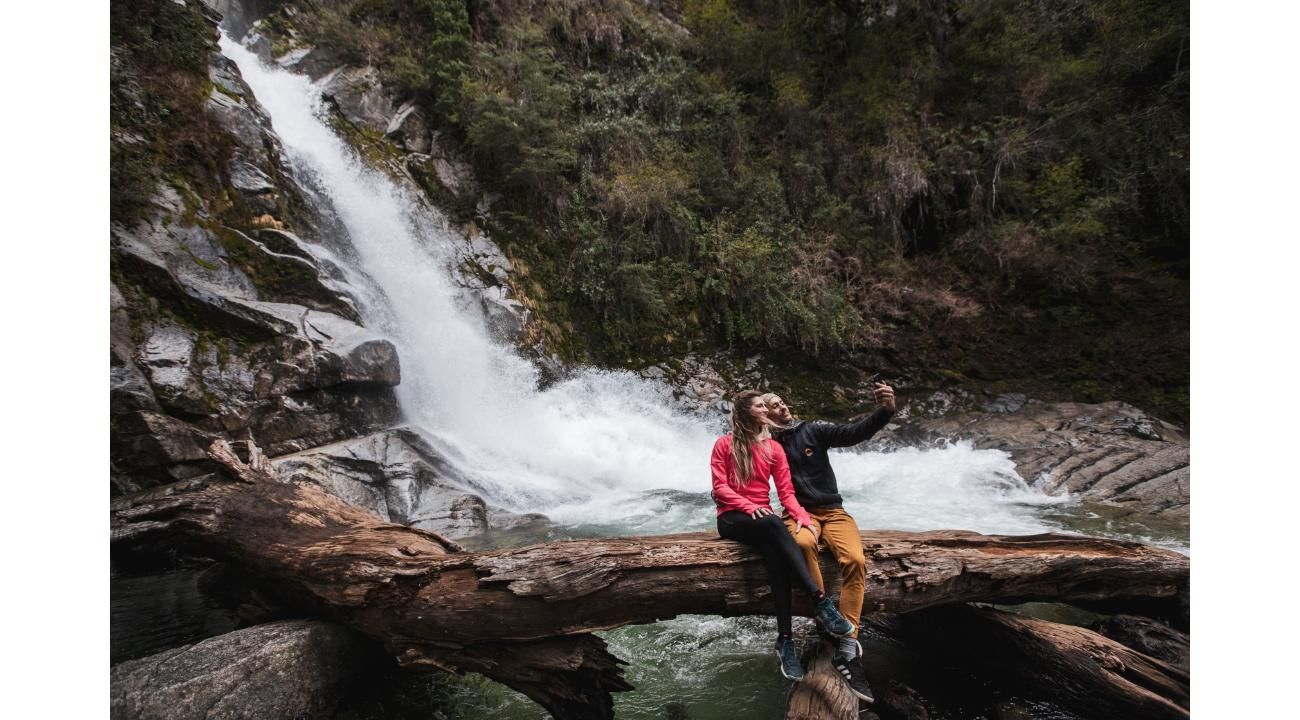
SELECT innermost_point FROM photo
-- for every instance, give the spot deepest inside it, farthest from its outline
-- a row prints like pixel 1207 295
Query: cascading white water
pixel 603 449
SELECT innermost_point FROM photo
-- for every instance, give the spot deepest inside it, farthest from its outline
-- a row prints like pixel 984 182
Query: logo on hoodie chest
pixel 808 452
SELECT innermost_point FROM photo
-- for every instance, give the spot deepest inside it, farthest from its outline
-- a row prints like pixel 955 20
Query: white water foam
pixel 604 449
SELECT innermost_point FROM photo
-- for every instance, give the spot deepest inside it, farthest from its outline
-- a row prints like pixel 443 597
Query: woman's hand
pixel 813 529
pixel 761 512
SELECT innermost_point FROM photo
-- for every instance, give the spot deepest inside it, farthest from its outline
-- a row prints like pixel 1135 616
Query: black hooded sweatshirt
pixel 806 447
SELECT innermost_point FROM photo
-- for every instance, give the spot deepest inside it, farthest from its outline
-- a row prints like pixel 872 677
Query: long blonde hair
pixel 744 430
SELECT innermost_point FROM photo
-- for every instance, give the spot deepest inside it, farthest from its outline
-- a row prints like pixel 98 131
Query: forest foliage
pixel 825 176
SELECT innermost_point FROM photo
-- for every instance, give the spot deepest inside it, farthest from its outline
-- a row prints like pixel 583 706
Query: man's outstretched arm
pixel 849 434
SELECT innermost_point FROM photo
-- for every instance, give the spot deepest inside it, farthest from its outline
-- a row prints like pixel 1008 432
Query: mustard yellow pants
pixel 839 532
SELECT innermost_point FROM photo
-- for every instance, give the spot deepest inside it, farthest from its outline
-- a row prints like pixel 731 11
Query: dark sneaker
pixel 851 671
pixel 791 668
pixel 831 619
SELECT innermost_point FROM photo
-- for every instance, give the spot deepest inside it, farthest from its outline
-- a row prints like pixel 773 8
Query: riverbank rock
pixel 1107 452
pixel 403 476
pixel 288 669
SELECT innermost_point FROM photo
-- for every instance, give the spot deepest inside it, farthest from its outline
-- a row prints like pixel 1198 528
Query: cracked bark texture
pixel 1072 667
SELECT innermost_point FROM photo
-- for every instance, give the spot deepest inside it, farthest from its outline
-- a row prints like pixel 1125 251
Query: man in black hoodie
pixel 806 446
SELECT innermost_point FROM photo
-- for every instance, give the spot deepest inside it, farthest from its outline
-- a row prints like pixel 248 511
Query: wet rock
pixel 260 45
pixel 506 317
pixel 257 155
pixel 453 169
pixel 151 611
pixel 409 129
pixel 294 376
pixel 313 62
pixel 403 476
pixel 168 358
pixel 128 387
pixel 1107 452
pixel 359 97
pixel 250 180
pixel 151 448
pixel 484 274
pixel 1007 403
pixel 288 669
pixel 238 15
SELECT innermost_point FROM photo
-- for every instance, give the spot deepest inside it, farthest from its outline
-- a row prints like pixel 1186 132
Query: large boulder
pixel 409 129
pixel 288 669
pixel 403 476
pixel 359 97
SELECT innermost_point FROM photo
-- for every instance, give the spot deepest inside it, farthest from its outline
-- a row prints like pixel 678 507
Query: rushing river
pixel 603 453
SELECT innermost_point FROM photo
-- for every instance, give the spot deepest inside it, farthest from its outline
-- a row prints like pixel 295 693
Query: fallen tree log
pixel 523 616
pixel 1075 668
pixel 1072 667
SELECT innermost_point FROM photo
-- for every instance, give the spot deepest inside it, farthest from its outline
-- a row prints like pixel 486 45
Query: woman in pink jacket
pixel 742 462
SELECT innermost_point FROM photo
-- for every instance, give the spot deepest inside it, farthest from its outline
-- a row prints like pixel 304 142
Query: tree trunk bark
pixel 523 616
pixel 1072 667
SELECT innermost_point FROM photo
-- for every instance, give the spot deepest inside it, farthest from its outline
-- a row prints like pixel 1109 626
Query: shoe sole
pixel 864 698
pixel 781 666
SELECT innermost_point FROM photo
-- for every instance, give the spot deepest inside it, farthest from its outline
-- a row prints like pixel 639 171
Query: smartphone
pixel 876 379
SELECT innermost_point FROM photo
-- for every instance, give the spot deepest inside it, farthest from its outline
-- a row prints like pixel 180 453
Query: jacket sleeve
pixel 784 488
pixel 723 493
pixel 849 434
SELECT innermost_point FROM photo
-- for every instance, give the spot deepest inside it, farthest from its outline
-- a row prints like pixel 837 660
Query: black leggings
pixel 780 554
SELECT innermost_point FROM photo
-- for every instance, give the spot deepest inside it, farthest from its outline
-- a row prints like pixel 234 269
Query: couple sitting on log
pixel 767 442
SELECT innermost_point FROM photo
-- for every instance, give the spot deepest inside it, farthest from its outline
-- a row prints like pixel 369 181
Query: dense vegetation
pixel 994 189
pixel 158 81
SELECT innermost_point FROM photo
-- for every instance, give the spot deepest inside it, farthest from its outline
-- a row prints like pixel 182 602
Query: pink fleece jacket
pixel 769 461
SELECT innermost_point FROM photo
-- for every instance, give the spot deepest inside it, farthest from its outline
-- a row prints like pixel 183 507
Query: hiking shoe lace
pixel 832 620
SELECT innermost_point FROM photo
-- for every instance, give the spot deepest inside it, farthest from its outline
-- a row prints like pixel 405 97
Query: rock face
pixel 221 331
pixel 403 477
pixel 289 669
pixel 1108 452
pixel 358 95
pixel 198 350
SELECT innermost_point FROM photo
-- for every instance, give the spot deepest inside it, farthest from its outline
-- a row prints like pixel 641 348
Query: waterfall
pixel 605 450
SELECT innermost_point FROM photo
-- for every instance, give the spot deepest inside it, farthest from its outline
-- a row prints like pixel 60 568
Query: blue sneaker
pixel 831 619
pixel 791 668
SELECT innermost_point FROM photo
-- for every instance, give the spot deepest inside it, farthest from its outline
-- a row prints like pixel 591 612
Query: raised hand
pixel 885 396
